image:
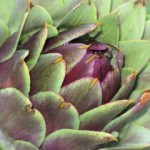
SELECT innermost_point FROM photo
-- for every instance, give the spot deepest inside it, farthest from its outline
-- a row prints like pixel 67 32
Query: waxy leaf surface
pixel 57 113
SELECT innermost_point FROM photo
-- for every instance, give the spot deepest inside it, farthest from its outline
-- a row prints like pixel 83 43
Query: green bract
pixel 74 74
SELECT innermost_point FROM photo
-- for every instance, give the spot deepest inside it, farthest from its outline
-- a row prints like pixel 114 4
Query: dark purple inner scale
pixel 98 67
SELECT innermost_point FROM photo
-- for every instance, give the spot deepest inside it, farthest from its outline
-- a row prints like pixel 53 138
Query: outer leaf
pixel 103 7
pixel 83 14
pixel 62 8
pixel 119 122
pixel 14 73
pixel 38 16
pixel 146 34
pixel 129 147
pixel 134 135
pixel 4 32
pixel 97 31
pixel 68 12
pixel 148 17
pixel 16 20
pixel 5 141
pixel 2 146
pixel 129 16
pixel 6 8
pixel 136 53
pixel 76 140
pixel 143 80
pixel 99 117
pixel 35 45
pixel 82 95
pixel 136 94
pixel 9 47
pixel 56 112
pixel 147 6
pixel 143 117
pixel 109 30
pixel 69 35
pixel 52 31
pixel 48 74
pixel 22 145
pixel 66 8
pixel 115 4
pixel 125 72
pixel 24 122
pixel 126 87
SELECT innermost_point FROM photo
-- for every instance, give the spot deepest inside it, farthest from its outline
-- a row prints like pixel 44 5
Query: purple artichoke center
pixel 100 49
pixel 96 63
pixel 102 55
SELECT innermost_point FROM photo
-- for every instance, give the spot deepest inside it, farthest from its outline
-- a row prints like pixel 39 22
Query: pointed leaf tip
pixel 145 98
pixel 93 82
pixel 57 60
pixel 84 46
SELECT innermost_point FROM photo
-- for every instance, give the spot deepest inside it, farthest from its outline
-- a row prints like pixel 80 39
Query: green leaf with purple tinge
pixel 15 73
pixel 23 122
pixel 57 113
pixel 5 141
pixel 118 123
pixel 72 53
pixel 69 35
pixel 129 147
pixel 76 140
pixel 96 119
pixel 35 46
pixel 143 117
pixel 8 48
pixel 126 87
pixel 83 94
pixel 22 145
pixel 48 74
pixel 15 25
pixel 134 135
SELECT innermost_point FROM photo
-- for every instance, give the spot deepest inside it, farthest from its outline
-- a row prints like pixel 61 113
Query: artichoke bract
pixel 74 75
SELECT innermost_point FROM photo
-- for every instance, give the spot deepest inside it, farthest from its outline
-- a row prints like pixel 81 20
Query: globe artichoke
pixel 74 75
